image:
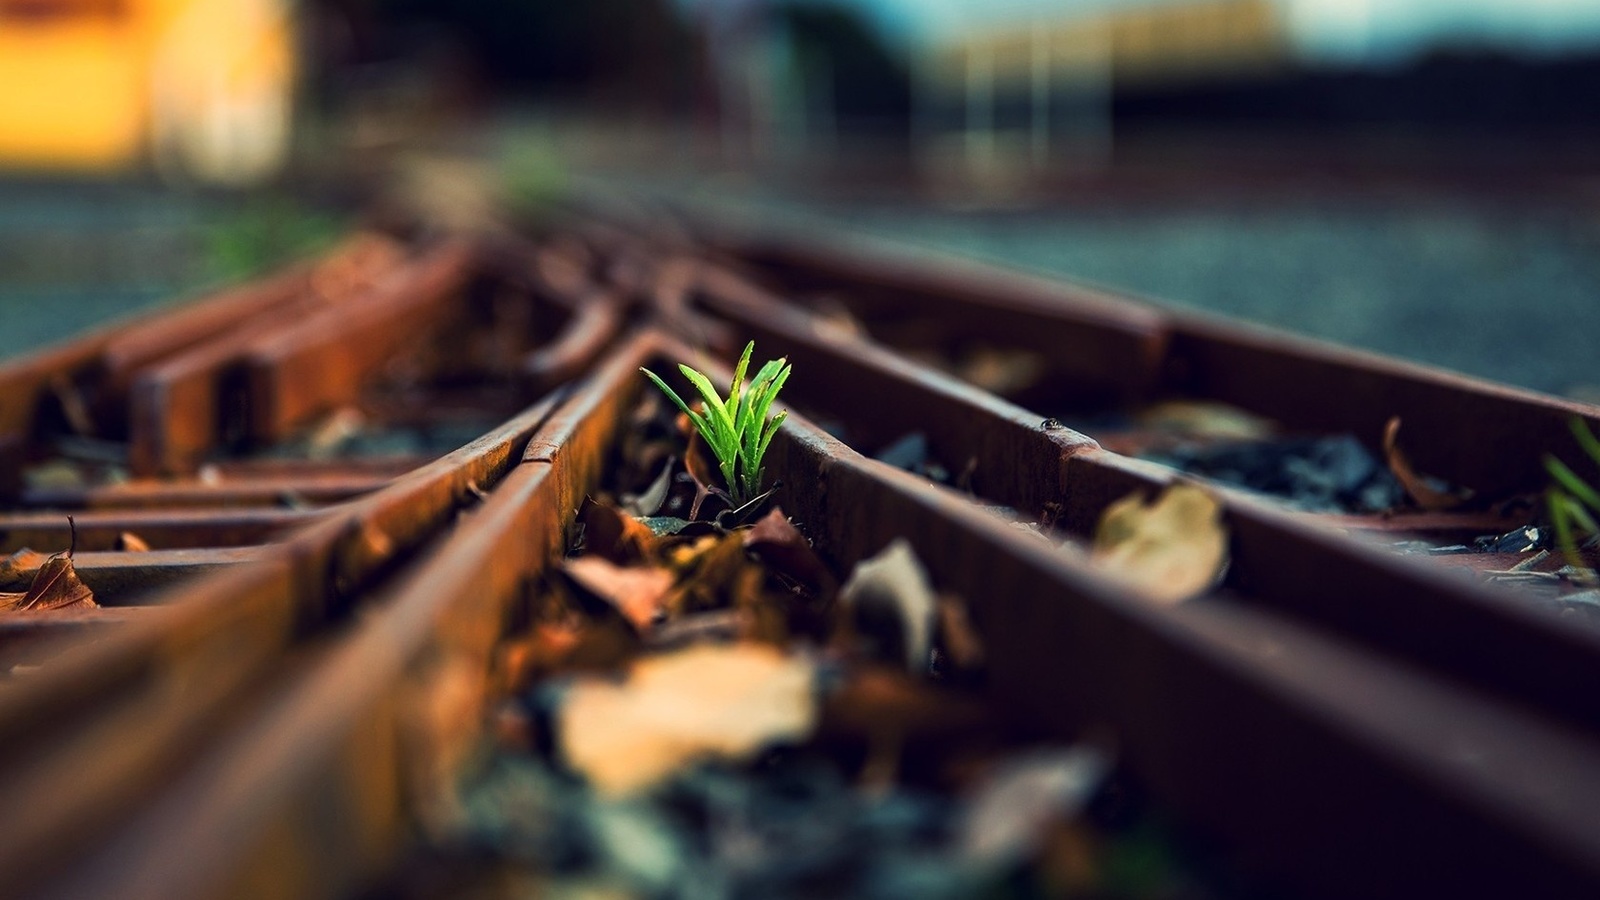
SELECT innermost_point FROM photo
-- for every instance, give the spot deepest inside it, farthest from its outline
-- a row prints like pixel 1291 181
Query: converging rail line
pixel 312 510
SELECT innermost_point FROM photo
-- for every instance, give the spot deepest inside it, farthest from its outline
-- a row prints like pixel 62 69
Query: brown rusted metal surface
pixel 323 361
pixel 272 490
pixel 229 631
pixel 1106 350
pixel 354 262
pixel 179 382
pixel 595 324
pixel 1479 435
pixel 174 671
pixel 29 641
pixel 49 532
pixel 1399 604
pixel 310 799
pixel 119 577
pixel 117 350
pixel 881 396
pixel 1338 718
pixel 251 468
pixel 1283 740
pixel 1470 432
pixel 1267 732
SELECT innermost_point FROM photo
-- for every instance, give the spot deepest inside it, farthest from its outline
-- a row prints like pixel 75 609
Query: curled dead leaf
pixel 710 569
pixel 638 592
pixel 891 606
pixel 1170 550
pixel 615 535
pixel 648 502
pixel 705 701
pixel 899 723
pixel 1416 484
pixel 55 587
pixel 567 643
pixel 775 541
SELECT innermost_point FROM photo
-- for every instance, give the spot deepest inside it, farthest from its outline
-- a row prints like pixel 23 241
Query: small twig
pixel 1531 561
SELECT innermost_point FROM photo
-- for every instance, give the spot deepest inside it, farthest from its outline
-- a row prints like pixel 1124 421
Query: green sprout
pixel 1571 500
pixel 736 429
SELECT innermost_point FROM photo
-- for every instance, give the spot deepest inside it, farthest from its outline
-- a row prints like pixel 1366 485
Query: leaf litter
pixel 708 709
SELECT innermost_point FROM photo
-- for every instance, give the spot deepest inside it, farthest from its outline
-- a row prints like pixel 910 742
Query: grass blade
pixel 1586 438
pixel 716 410
pixel 1569 480
pixel 700 423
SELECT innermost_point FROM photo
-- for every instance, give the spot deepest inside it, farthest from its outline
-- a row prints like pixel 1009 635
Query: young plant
pixel 736 429
pixel 1571 500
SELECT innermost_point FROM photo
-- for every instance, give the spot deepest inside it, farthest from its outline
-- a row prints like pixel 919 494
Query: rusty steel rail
pixel 1337 718
pixel 83 386
pixel 1477 435
pixel 273 489
pixel 1471 432
pixel 1261 730
pixel 179 397
pixel 193 651
pixel 1016 459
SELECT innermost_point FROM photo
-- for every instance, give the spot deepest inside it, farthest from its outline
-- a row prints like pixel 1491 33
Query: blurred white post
pixel 980 107
pixel 822 97
pixel 1091 88
pixel 1041 95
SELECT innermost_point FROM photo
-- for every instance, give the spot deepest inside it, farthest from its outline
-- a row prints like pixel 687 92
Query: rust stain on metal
pixel 271 720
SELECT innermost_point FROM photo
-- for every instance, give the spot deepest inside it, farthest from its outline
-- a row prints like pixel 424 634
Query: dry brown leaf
pixel 704 701
pixel 710 578
pixel 767 619
pixel 637 592
pixel 776 542
pixel 542 650
pixel 896 722
pixel 616 536
pixel 568 644
pixel 1171 550
pixel 1415 484
pixel 648 502
pixel 57 586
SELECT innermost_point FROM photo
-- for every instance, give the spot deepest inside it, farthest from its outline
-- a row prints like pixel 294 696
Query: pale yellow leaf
pixel 707 701
pixel 1170 550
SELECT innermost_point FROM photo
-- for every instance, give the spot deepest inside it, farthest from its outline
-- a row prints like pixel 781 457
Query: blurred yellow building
pixel 200 89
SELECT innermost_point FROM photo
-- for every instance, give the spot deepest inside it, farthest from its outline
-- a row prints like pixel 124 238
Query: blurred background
pixel 1415 176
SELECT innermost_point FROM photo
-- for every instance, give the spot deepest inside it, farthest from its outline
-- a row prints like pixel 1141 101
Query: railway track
pixel 313 511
